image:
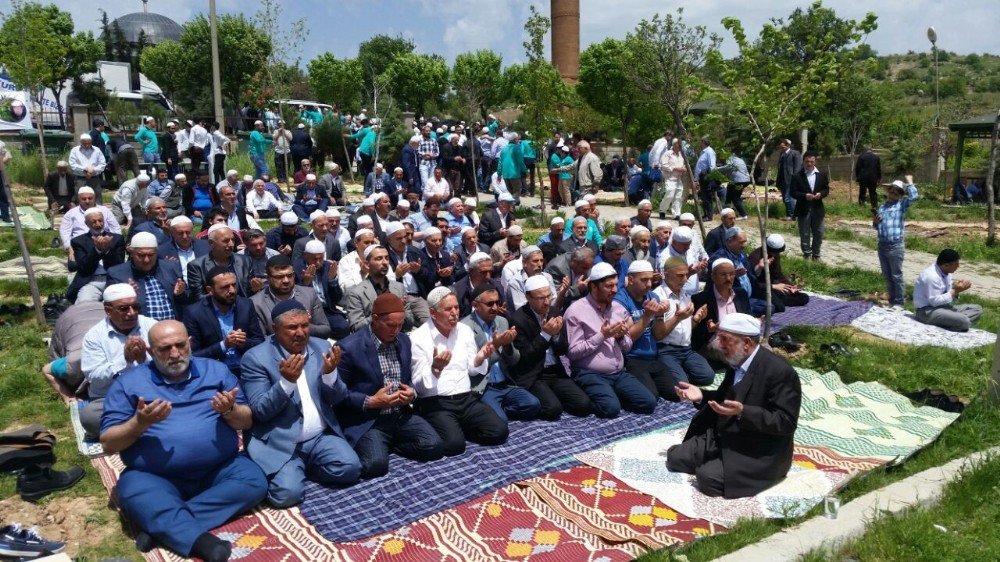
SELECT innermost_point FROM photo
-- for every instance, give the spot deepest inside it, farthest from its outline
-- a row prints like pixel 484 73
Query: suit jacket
pixel 88 259
pixel 206 334
pixel 162 237
pixel 715 239
pixel 198 268
pixel 506 357
pixel 490 225
pixel 868 169
pixel 700 334
pixel 168 251
pixel 559 268
pixel 462 263
pixel 409 161
pixel 532 346
pixel 319 325
pixel 331 288
pixel 756 446
pixel 800 187
pixel 321 196
pixel 278 416
pixel 52 186
pixel 332 248
pixel 787 169
pixel 359 299
pixel 427 276
pixel 166 272
pixel 362 373
pixel 568 245
pixel 463 291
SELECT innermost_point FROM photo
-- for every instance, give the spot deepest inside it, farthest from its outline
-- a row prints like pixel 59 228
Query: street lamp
pixel 932 37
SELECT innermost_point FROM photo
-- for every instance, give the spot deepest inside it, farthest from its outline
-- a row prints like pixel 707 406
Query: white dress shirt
pixel 103 354
pixel 811 178
pixel 262 202
pixel 454 378
pixel 312 422
pixel 73 225
pixel 933 288
pixel 435 187
pixel 80 159
pixel 199 136
pixel 660 147
pixel 681 334
pixel 183 140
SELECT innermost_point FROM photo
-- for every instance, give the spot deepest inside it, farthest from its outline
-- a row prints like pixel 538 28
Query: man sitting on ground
pixel 159 284
pixel 784 293
pixel 740 441
pixel 935 293
pixel 223 325
pixel 95 252
pixel 63 372
pixel 722 298
pixel 175 424
pixel 644 306
pixel 577 236
pixel 281 287
pixel 673 330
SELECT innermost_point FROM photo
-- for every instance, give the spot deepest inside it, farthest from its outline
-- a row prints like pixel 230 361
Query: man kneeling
pixel 741 443
pixel 174 423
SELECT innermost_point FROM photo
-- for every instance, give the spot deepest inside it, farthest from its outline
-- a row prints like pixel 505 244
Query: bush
pixel 953 86
pixel 905 154
pixel 906 74
pixel 26 169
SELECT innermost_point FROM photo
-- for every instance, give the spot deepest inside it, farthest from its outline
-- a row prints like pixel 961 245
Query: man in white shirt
pixel 681 245
pixel 437 186
pixel 353 269
pixel 87 163
pixel 672 168
pixel 672 331
pixel 292 385
pixel 282 146
pixel 444 356
pixel 337 231
pixel 73 222
pixel 515 274
pixel 935 293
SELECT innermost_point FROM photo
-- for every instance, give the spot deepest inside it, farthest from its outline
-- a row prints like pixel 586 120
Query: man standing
pixel 935 293
pixel 868 172
pixel 222 325
pixel 707 188
pixel 258 149
pixel 672 168
pixel 740 441
pixel 588 169
pixel 428 151
pixel 889 224
pixel 410 161
pixel 282 138
pixel 809 187
pixel 146 135
pixel 159 284
pixel 511 166
pixel 789 166
pixel 292 385
pixel 88 163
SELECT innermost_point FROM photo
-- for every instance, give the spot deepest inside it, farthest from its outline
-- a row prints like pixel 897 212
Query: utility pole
pixel 939 165
pixel 216 78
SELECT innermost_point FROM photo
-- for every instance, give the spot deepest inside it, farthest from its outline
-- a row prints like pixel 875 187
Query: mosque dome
pixel 158 28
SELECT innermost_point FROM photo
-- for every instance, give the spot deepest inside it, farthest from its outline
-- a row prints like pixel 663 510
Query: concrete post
pixel 408 117
pixel 81 118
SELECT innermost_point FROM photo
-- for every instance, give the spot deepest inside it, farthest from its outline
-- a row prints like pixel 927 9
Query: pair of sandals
pixel 834 349
pixel 784 341
pixel 936 398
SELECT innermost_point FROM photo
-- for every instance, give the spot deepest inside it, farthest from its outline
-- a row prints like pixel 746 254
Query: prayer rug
pixel 821 311
pixel 31 219
pixel 87 448
pixel 43 266
pixel 902 327
pixel 414 490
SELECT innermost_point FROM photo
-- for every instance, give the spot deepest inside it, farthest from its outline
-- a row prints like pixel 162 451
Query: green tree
pixel 281 50
pixel 415 80
pixel 377 53
pixel 478 81
pixel 167 64
pixel 336 81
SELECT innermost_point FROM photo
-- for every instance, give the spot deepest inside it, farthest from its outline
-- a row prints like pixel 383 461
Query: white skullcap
pixel 216 227
pixel 640 266
pixel 454 200
pixel 370 249
pixel 601 270
pixel 478 258
pixel 590 198
pixel 528 250
pixel 180 177
pixel 232 173
pixel 636 230
pixel 776 242
pixel 86 189
pixel 63 164
pixel 644 202
pixel 683 234
pixel 330 166
pixel 485 130
pixel 190 122
pixel 315 247
pixel 247 177
pixel 95 210
pixel 403 203
pixel 310 177
pixel 289 218
pixel 727 211
pixel 438 295
pixel 362 231
pixel 315 215
pixel 581 204
pixel 394 227
pixel 301 125
pixel 721 261
pixel 118 291
pixel 439 130
pixel 470 202
pixel 416 138
pixel 369 201
pixel 466 230
pixel 507 198
pixel 515 231
pixel 333 213
pixel 84 137
pixel 557 220
pixel 365 219
pixel 538 281
pixel 258 122
pixel 431 231
pixel 380 165
pixel 397 169
pixel 144 240
pixel 142 178
pixel 739 323
pixel 180 219
pixel 687 217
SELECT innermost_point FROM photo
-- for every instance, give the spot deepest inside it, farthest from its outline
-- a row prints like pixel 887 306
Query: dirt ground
pixel 61 519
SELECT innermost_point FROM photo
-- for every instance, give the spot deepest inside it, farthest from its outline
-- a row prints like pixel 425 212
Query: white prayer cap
pixel 528 250
pixel 739 323
pixel 731 232
pixel 288 218
pixel 216 227
pixel 64 164
pixel 453 201
pixel 640 266
pixel 365 219
pixel 369 201
pixel 179 177
pixel 403 203
pixel 247 177
pixel 687 217
pixel 439 130
pixel 370 249
pixel 394 227
pixel 315 247
pixel 601 270
pixel 333 213
pixel 470 202
pixel 85 189
pixel 415 138
pixel 380 165
pixel 536 282
pixel 397 169
pixel 478 258
pixel 142 178
pixel 644 202
pixel 727 211
pixel 96 210
pixel 507 197
pixel 776 242
pixel 637 230
pixel 180 219
pixel 301 125
pixel 118 291
pixel 362 231
pixel 232 173
pixel 557 220
pixel 190 122
pixel 431 231
pixel 315 215
pixel 582 203
pixel 466 230
pixel 330 166
pixel 590 198
pixel 144 240
pixel 683 234
pixel 438 295
pixel 84 137
pixel 515 231
pixel 484 131
pixel 171 123
pixel 721 261
pixel 258 122
pixel 310 177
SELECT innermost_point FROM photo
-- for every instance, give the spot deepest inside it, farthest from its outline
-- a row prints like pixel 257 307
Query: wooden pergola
pixel 976 128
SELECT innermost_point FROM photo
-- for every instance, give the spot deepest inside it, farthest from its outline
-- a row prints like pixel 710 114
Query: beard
pixel 736 359
pixel 173 368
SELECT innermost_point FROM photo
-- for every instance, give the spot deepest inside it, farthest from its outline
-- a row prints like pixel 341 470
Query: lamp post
pixel 216 77
pixel 932 37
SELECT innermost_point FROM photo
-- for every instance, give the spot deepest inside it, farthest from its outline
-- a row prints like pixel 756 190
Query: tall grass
pixel 26 169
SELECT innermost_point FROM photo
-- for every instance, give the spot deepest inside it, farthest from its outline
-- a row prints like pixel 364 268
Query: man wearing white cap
pixel 515 275
pixel 282 237
pixel 720 299
pixel 597 329
pixel 496 221
pixel 644 307
pixel 716 238
pixel 159 284
pixel 509 248
pixel 673 329
pixel 313 270
pixel 889 224
pixel 659 241
pixel 182 247
pixel 220 254
pixel 593 231
pixel 436 186
pixel 112 346
pixel 554 236
pixel 377 181
pixel 784 292
pixel 643 214
pixel 638 249
pixel 396 187
pixel 401 211
pixel 59 187
pixel 747 272
pixel 94 252
pixel 321 233
pixel 378 278
pixel 740 441
pixel 576 237
pixel 333 184
pixel 87 163
pixel 73 223
pixel 129 198
pixel 337 231
pixel 436 266
pixel 309 197
pixel 681 246
pixel 352 269
pixel 457 222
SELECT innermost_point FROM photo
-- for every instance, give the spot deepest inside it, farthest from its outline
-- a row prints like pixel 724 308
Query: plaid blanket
pixel 413 490
pixel 86 448
pixel 821 311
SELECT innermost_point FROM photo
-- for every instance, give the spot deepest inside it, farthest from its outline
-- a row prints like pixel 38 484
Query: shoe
pixel 663 216
pixel 38 481
pixel 743 218
pixel 56 242
pixel 18 542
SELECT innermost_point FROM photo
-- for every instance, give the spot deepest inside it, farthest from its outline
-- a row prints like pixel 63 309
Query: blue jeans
pixel 326 458
pixel 786 196
pixel 403 433
pixel 176 511
pixel 890 258
pixel 150 157
pixel 610 393
pixel 685 365
pixel 511 402
pixel 259 165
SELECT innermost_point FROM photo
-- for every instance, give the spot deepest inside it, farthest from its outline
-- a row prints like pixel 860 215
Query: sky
pixel 450 27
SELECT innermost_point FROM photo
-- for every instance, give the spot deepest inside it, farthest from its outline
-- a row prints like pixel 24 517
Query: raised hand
pixel 563 285
pixel 332 272
pixel 135 349
pixel 308 273
pixel 483 354
pixel 581 283
pixel 440 360
pixel 291 367
pixel 179 287
pixel 505 338
pixel 727 408
pixel 256 284
pixel 331 359
pixel 154 412
pixel 689 392
pixel 553 326
pixel 384 398
pixel 700 314
pixel 236 338
pixel 684 313
pixel 223 402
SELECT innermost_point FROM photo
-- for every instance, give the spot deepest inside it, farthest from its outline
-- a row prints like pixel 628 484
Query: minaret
pixel 145 6
pixel 566 38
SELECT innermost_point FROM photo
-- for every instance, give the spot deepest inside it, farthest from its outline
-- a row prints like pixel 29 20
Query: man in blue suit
pixel 159 284
pixel 223 326
pixel 291 383
pixel 182 247
pixel 378 415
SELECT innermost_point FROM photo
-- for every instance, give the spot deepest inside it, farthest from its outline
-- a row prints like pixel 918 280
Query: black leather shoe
pixel 38 481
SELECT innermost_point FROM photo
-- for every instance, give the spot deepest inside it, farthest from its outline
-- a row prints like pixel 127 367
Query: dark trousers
pixel 684 364
pixel 511 402
pixel 557 393
pixel 366 164
pixel 734 197
pixel 197 155
pixel 126 161
pixel 709 192
pixel 4 204
pixel 219 168
pixel 701 457
pixel 455 180
pixel 403 433
pixel 871 189
pixel 297 161
pixel 609 393
pixel 530 164
pixel 779 301
pixel 281 166
pixel 811 233
pixel 654 375
pixel 460 417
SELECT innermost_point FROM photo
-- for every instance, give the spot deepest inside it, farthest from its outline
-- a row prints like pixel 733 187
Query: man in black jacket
pixel 222 325
pixel 495 222
pixel 868 171
pixel 740 441
pixel 789 164
pixel 809 187
pixel 95 252
pixel 722 292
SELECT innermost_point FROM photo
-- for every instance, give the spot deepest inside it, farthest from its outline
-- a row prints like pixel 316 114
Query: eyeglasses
pixel 123 308
pixel 489 304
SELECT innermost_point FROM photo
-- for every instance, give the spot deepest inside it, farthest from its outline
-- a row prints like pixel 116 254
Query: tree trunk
pixel 347 155
pixel 991 231
pixel 762 223
pixel 41 138
pixel 625 160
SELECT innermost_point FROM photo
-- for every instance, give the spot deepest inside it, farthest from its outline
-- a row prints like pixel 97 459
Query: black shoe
pixel 144 542
pixel 56 242
pixel 37 481
pixel 663 216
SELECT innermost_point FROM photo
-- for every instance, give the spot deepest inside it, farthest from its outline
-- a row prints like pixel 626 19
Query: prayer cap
pixel 507 198
pixel 315 215
pixel 247 177
pixel 315 247
pixel 601 270
pixel 557 220
pixel 216 227
pixel 95 210
pixel 144 240
pixel 84 137
pixel 581 204
pixel 365 219
pixel 431 231
pixel 640 266
pixel 739 323
pixel 118 291
pixel 286 306
pixel 363 231
pixel 310 177
pixel 86 189
pixel 394 227
pixel 142 178
pixel 948 256
pixel 333 213
pixel 644 202
pixel 453 201
pixel 776 242
pixel 636 230
pixel 683 234
pixel 387 303
pixel 215 272
pixel 437 295
pixel 289 218
pixel 727 211
pixel 470 201
pixel 722 261
pixel 687 217
pixel 478 258
pixel 179 219
pixel 403 203
pixel 536 282
pixel 528 250
pixel 515 231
